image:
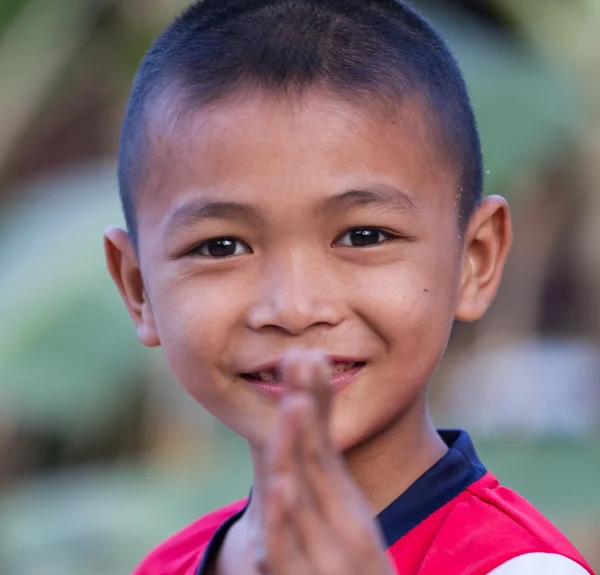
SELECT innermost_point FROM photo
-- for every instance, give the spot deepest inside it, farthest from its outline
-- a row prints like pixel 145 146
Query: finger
pixel 309 371
pixel 336 516
pixel 280 538
pixel 312 527
pixel 317 461
pixel 282 549
pixel 280 449
pixel 299 412
pixel 320 388
pixel 307 376
pixel 331 514
pixel 295 369
pixel 325 538
pixel 298 407
pixel 323 473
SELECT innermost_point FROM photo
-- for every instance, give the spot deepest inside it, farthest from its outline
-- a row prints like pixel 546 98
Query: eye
pixel 364 237
pixel 221 248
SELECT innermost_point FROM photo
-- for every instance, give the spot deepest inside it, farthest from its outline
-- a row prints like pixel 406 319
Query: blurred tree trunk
pixel 540 216
pixel 587 247
pixel 568 33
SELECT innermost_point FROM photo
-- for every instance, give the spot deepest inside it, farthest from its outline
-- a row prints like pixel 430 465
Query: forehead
pixel 277 149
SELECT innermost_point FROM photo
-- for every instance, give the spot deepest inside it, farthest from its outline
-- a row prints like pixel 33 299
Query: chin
pixel 349 439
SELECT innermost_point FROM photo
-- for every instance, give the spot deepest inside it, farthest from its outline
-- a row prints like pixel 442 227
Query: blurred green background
pixel 102 455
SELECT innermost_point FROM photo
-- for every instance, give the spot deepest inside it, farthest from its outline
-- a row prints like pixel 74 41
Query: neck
pixel 384 466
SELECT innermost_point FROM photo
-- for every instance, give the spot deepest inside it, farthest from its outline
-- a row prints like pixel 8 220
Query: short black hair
pixel 363 50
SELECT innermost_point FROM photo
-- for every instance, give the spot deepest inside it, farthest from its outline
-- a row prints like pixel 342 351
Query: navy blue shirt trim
pixel 209 558
pixel 440 484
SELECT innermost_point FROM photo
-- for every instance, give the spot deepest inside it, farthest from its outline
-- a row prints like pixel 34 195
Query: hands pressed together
pixel 315 520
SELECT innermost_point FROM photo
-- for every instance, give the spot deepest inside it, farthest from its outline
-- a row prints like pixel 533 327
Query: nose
pixel 296 295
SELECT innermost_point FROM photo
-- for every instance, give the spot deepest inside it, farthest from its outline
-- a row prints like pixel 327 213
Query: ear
pixel 124 269
pixel 487 242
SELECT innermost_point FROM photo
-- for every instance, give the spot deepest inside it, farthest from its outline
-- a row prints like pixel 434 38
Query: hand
pixel 315 520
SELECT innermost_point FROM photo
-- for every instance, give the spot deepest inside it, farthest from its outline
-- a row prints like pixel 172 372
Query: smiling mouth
pixel 273 375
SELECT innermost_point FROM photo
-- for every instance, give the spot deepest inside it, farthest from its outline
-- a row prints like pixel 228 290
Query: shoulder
pixel 530 538
pixel 547 563
pixel 509 514
pixel 181 553
pixel 484 527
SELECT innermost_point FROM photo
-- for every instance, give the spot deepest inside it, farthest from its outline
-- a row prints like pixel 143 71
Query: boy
pixel 305 175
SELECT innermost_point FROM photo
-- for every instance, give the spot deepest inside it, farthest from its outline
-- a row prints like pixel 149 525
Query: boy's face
pixel 338 230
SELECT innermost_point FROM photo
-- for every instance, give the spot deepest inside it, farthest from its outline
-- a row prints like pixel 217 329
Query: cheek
pixel 412 308
pixel 411 312
pixel 195 321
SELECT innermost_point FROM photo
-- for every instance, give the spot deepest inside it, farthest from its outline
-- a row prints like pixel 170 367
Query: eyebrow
pixel 196 210
pixel 372 194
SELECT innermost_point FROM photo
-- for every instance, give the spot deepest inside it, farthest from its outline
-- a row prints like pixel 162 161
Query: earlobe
pixel 487 242
pixel 124 269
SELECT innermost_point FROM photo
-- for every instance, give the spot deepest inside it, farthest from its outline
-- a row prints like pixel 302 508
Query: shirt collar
pixel 440 484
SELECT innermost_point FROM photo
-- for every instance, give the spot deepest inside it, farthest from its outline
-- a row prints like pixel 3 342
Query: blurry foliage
pixel 8 10
pixel 565 35
pixel 566 31
pixel 35 50
pixel 71 368
pixel 525 109
pixel 512 91
pixel 69 359
pixel 102 520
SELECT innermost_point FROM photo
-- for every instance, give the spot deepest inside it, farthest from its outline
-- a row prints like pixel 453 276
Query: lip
pixel 339 381
pixel 276 363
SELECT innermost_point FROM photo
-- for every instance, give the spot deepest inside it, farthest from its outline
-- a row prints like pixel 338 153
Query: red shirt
pixel 454 520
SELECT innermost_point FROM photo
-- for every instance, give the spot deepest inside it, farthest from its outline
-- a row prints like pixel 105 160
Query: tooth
pixel 340 367
pixel 266 376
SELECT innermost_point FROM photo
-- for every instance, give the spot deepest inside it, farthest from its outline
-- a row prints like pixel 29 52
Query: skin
pixel 296 281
